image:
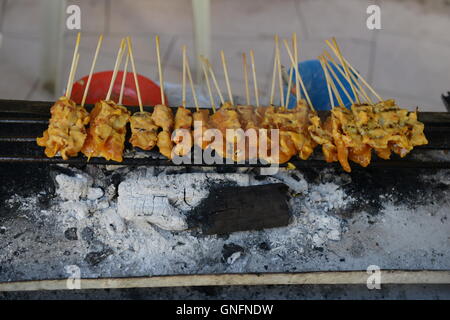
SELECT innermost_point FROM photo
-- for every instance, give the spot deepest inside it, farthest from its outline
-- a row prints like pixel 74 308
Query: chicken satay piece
pixel 66 132
pixel 321 133
pixel 296 120
pixel 227 118
pixel 163 117
pixel 415 130
pixel 183 125
pixel 359 151
pixel 106 134
pixel 144 132
pixel 340 140
pixel 201 119
pixel 249 119
pixel 165 144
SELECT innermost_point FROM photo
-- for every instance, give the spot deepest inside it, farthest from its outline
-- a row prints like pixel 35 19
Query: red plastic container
pixel 150 91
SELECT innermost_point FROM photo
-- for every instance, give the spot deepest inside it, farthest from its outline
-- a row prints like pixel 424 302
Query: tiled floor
pixel 408 59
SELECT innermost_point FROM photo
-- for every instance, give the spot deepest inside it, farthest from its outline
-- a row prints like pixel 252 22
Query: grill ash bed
pixel 57 214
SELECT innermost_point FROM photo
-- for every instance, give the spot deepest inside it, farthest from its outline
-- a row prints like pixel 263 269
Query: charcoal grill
pixel 25 170
pixel 23 121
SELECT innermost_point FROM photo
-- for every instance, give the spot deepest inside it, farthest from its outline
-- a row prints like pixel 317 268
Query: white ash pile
pixel 124 222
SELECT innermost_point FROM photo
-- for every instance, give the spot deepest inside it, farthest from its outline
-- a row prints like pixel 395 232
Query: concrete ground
pixel 407 59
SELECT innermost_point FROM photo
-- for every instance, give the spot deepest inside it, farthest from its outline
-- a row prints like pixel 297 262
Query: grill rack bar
pixel 22 121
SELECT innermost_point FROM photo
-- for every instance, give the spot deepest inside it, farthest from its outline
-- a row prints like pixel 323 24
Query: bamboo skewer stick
pixel 333 86
pixel 274 73
pixel 227 79
pixel 295 66
pixel 359 88
pixel 280 76
pixel 133 67
pixel 94 61
pixel 208 85
pixel 116 67
pixel 75 67
pixel 334 77
pixel 124 79
pixel 356 73
pixel 194 94
pixel 213 76
pixel 327 79
pixel 288 92
pixel 69 80
pixel 161 76
pixel 183 86
pixel 298 75
pixel 255 82
pixel 247 91
pixel 347 72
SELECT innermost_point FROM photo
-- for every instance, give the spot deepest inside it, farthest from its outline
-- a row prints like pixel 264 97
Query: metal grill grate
pixel 22 121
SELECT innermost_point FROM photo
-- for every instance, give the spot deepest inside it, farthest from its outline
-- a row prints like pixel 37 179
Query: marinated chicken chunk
pixel 144 132
pixel 66 131
pixel 106 133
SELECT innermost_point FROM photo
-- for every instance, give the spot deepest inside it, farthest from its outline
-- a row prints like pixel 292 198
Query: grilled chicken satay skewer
pixel 385 126
pixel 225 118
pixel 162 116
pixel 349 142
pixel 106 133
pixel 301 114
pixel 66 132
pixel 362 110
pixel 201 116
pixel 144 132
pixel 183 118
pixel 321 132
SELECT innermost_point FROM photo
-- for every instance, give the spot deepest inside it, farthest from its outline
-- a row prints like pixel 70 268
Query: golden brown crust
pixel 66 132
pixel 106 134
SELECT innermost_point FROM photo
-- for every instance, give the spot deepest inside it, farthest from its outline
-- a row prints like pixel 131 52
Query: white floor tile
pixel 24 17
pixel 416 19
pixel 151 17
pixel 340 18
pixel 237 18
pixel 412 68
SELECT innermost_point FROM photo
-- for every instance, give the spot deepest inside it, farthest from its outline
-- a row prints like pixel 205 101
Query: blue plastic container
pixel 314 79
